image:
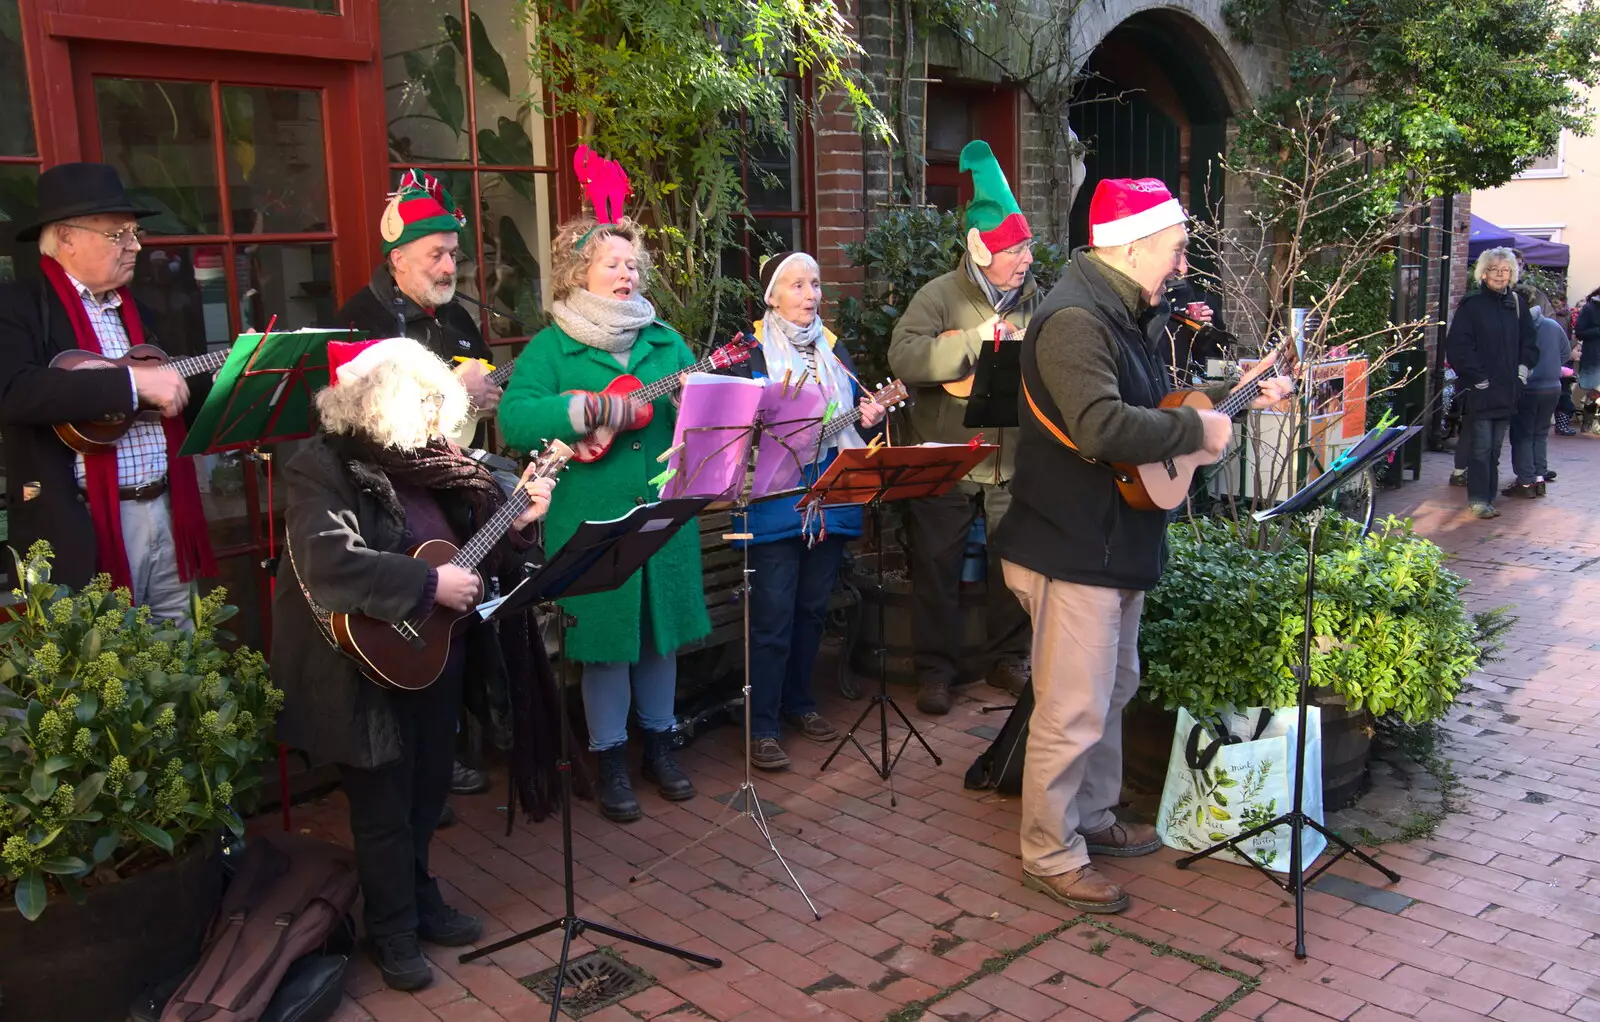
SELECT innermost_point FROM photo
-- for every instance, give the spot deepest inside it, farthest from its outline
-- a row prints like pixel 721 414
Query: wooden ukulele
pixel 101 435
pixel 1164 485
pixel 499 376
pixel 594 446
pixel 411 654
pixel 888 397
pixel 1003 332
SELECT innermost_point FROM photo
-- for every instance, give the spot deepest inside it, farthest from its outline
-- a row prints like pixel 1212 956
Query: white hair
pixel 50 239
pixel 392 403
pixel 794 261
pixel 1492 257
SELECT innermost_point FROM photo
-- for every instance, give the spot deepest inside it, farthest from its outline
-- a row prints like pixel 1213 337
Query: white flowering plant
pixel 123 741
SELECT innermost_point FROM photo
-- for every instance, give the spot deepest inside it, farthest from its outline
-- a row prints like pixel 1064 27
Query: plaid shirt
pixel 142 452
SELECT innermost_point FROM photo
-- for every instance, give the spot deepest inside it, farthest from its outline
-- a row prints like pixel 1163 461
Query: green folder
pixel 262 394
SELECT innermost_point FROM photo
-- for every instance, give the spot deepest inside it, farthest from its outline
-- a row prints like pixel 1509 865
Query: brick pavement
pixel 1499 914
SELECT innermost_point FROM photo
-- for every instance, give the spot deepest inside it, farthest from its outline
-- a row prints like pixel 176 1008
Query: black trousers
pixel 394 809
pixel 939 527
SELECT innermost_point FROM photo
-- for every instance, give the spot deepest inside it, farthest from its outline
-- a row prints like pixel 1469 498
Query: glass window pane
pixel 18 185
pixel 277 177
pixel 320 6
pixel 516 250
pixel 292 282
pixel 185 288
pixel 774 183
pixel 510 131
pixel 158 136
pixel 424 77
pixel 16 112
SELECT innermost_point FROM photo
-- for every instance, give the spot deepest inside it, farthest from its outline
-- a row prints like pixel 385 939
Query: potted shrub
pixel 1393 637
pixel 127 748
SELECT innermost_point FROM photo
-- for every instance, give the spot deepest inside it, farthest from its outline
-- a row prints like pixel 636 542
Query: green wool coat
pixel 535 409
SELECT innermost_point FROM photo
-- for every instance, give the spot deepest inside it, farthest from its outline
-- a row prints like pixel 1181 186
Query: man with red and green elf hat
pixel 413 293
pixel 990 296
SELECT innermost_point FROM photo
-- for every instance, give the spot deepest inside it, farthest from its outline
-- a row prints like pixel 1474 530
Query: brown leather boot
pixel 1124 840
pixel 1085 889
pixel 933 696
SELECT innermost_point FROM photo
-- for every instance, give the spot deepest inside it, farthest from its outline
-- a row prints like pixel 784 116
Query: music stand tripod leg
pixel 570 923
pixel 882 700
pixel 749 803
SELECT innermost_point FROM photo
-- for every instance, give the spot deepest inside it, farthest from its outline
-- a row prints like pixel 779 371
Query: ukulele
pixel 890 396
pixel 1163 485
pixel 498 376
pixel 101 435
pixel 411 654
pixel 594 446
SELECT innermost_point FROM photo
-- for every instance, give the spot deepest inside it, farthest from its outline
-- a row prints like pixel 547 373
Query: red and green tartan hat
pixel 993 218
pixel 418 208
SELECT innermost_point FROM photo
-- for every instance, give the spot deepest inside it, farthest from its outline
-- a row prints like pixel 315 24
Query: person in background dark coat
pixel 379 480
pixel 1588 331
pixel 413 293
pixel 1491 346
pixel 142 522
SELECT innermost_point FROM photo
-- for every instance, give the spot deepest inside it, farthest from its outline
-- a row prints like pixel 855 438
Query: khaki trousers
pixel 1085 670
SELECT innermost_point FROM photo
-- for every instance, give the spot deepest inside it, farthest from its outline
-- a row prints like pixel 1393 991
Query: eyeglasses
pixel 125 237
pixel 1017 249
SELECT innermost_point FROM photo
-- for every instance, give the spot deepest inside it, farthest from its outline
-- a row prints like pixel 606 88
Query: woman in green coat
pixel 626 640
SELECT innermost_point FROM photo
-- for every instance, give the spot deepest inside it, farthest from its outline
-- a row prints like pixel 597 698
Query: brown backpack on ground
pixel 289 893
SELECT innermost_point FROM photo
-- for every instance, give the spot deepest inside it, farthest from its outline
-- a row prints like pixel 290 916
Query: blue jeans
pixel 1530 434
pixel 790 585
pixel 1487 437
pixel 649 686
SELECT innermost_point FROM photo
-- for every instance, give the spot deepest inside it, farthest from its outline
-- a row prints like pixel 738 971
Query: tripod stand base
pixel 885 765
pixel 1295 883
pixel 572 927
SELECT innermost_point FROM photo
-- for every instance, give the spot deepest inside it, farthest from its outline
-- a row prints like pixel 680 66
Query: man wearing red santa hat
pixel 1077 556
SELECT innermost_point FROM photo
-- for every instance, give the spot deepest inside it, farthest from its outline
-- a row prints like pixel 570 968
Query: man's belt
pixel 149 491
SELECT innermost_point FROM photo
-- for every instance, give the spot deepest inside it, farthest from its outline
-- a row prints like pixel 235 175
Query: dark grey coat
pixel 1491 335
pixel 347 541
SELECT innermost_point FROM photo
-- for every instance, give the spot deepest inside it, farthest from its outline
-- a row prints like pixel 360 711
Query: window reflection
pixel 185 291
pixel 158 136
pixel 277 182
pixel 16 112
pixel 292 282
pixel 424 76
pixel 516 248
pixel 18 187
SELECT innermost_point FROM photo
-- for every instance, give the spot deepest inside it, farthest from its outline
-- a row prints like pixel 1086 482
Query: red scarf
pixel 191 537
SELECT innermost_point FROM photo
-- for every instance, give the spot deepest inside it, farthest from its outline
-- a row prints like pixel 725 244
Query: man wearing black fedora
pixel 134 513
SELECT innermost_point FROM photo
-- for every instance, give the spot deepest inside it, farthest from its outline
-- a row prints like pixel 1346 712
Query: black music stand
pixel 1369 449
pixel 599 557
pixel 871 477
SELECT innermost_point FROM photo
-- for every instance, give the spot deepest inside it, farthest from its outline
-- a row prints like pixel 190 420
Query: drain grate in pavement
pixel 594 981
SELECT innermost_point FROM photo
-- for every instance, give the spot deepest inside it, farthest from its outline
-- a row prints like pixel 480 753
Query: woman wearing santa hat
pixel 1077 556
pixel 376 481
pixel 627 640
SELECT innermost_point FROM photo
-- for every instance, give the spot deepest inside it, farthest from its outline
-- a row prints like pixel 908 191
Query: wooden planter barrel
pixel 1346 746
pixel 86 963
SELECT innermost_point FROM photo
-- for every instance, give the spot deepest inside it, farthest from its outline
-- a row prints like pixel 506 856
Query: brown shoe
pixel 1010 675
pixel 933 696
pixel 1124 840
pixel 815 727
pixel 1084 889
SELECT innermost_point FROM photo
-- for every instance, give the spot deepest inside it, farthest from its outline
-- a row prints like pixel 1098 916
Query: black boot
pixel 662 768
pixel 616 790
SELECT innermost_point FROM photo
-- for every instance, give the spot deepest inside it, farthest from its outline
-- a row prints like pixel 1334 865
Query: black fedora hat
pixel 79 189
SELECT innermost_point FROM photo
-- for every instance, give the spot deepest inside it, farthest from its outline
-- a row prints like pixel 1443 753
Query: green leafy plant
pixel 123 741
pixel 1391 633
pixel 904 250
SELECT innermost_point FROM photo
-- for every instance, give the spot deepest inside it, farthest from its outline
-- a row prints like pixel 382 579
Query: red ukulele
pixel 594 446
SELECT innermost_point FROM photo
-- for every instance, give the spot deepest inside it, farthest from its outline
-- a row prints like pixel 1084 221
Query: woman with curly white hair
pixel 1491 346
pixel 378 479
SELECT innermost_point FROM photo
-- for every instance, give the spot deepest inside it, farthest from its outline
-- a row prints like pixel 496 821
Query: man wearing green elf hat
pixel 988 298
pixel 413 293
